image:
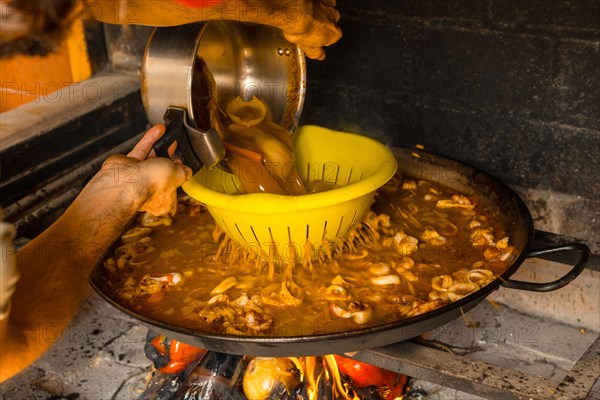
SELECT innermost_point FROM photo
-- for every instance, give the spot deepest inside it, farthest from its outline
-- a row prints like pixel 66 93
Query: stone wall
pixel 511 87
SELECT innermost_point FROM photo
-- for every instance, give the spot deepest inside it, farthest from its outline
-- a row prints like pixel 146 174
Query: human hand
pixel 315 28
pixel 155 179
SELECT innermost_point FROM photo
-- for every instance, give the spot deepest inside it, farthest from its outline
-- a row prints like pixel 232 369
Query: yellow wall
pixel 25 78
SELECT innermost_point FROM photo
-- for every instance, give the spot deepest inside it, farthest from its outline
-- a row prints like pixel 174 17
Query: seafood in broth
pixel 421 246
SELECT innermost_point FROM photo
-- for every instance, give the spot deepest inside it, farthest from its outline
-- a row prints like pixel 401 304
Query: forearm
pixel 54 269
pixel 55 265
pixel 310 24
pixel 291 16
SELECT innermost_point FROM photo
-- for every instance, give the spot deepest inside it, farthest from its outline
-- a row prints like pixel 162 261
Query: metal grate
pixel 485 379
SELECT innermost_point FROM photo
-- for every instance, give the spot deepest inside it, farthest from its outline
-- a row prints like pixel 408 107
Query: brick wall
pixel 512 87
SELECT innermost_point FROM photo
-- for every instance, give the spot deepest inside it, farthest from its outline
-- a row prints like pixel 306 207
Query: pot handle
pixel 175 131
pixel 560 282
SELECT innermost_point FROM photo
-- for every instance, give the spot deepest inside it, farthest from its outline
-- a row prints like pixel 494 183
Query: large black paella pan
pixel 420 165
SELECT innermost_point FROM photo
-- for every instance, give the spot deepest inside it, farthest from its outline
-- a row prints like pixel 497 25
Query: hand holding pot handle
pixel 174 127
pixel 175 132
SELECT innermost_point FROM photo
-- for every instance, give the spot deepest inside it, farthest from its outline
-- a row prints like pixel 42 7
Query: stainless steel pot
pixel 185 66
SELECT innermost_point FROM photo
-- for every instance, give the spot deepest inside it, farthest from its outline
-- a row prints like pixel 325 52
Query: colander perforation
pixel 349 177
pixel 337 233
pixel 337 175
pixel 352 222
pixel 258 242
pixel 271 236
pixel 238 229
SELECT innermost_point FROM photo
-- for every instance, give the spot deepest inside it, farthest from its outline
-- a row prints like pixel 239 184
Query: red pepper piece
pixel 180 356
pixel 364 375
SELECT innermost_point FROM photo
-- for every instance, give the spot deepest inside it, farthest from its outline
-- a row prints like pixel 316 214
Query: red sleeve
pixel 199 3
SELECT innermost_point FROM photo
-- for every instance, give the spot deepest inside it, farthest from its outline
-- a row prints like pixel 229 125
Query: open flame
pixel 312 379
pixel 316 378
pixel 338 388
pixel 263 378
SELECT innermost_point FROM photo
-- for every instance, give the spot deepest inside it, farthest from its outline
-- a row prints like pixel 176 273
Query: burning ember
pixel 187 372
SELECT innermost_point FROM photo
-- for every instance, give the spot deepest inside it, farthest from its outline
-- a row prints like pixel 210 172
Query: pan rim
pixel 335 342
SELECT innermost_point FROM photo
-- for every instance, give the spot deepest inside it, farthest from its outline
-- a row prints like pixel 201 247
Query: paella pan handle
pixel 560 282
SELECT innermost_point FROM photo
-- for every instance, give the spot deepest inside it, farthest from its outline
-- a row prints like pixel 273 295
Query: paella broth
pixel 421 246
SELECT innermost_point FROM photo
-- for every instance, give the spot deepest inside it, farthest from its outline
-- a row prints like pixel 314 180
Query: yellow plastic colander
pixel 358 165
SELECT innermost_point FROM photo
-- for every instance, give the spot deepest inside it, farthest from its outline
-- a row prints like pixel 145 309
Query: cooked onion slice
pixel 247 113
